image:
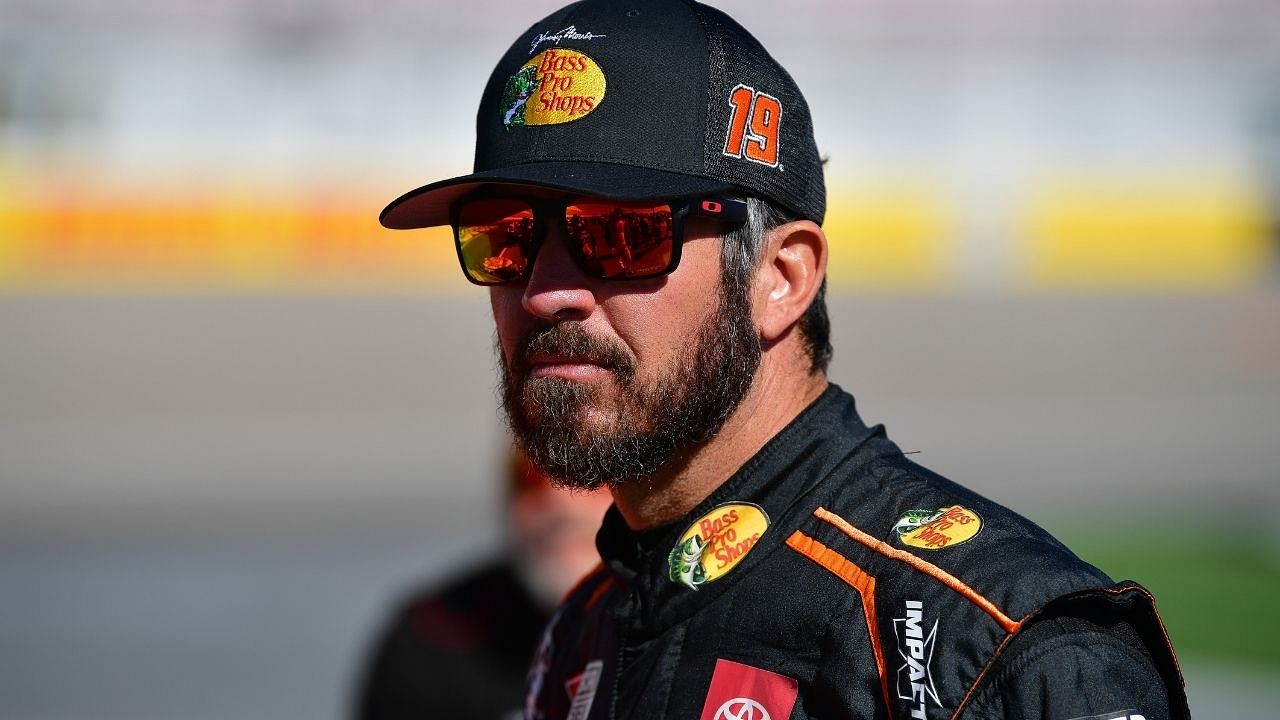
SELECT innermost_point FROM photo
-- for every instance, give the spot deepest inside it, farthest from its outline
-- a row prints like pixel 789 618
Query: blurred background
pixel 238 418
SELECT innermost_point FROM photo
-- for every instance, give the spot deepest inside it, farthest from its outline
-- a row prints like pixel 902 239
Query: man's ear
pixel 792 265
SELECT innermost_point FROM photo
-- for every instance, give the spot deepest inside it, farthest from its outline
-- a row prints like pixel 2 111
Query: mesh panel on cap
pixel 737 58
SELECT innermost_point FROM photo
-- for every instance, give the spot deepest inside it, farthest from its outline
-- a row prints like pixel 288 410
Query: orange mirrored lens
pixel 494 239
pixel 621 240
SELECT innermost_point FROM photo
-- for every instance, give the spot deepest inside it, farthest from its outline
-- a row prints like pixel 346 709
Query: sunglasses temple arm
pixel 726 209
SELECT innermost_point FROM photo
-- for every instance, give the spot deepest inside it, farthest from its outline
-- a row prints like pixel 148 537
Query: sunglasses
pixel 498 237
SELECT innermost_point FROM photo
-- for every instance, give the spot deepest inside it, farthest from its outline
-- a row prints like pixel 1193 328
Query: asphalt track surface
pixel 207 501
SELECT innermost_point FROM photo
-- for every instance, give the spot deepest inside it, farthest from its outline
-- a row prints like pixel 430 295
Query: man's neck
pixel 775 399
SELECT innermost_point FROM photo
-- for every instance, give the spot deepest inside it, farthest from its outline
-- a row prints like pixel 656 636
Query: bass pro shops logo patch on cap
pixel 555 86
pixel 715 543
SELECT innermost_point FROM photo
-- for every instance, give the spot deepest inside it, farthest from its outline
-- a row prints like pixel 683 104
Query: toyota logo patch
pixel 742 709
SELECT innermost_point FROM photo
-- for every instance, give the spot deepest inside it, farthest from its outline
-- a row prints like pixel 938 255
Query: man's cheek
pixel 507 316
pixel 506 341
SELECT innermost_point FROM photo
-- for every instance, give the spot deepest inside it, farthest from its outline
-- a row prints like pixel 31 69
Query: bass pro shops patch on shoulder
pixel 937 529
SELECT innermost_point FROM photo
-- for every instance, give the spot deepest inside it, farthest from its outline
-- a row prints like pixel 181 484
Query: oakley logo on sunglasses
pixel 498 238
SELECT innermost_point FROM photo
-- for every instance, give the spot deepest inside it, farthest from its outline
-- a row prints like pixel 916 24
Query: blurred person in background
pixel 461 650
pixel 768 555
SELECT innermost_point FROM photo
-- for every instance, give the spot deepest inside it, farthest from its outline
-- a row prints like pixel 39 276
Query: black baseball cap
pixel 636 100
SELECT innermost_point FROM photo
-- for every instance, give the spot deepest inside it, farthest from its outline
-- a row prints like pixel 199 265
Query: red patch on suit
pixel 742 692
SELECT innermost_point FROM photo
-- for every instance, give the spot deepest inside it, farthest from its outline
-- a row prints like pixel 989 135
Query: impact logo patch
pixel 1117 715
pixel 554 86
pixel 743 692
pixel 715 543
pixel 936 529
pixel 915 675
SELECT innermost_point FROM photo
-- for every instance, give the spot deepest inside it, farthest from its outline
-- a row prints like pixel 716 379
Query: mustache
pixel 569 338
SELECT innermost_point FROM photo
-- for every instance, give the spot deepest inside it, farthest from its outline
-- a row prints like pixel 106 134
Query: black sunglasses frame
pixel 731 211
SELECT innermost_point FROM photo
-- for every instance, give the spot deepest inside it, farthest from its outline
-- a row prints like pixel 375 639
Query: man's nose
pixel 557 288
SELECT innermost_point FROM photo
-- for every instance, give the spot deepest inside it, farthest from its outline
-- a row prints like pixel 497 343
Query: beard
pixel 644 426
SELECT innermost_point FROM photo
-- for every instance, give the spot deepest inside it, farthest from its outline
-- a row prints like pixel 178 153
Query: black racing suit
pixel 831 577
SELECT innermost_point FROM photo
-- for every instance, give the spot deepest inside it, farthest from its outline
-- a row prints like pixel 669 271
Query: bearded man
pixel 646 210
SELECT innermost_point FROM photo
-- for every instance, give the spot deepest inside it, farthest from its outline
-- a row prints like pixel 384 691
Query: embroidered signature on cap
pixel 569 33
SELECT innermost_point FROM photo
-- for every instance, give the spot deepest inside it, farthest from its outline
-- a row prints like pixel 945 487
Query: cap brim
pixel 428 205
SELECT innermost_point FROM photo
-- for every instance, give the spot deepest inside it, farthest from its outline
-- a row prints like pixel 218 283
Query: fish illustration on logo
pixel 912 520
pixel 686 562
pixel 515 96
